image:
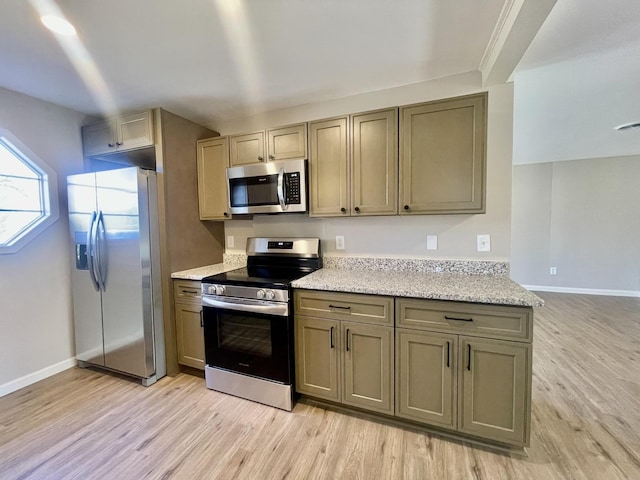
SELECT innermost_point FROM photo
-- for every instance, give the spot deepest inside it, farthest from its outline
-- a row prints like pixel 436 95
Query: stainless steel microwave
pixel 269 187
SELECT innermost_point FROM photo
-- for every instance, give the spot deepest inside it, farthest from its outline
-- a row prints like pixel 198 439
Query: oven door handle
pixel 280 309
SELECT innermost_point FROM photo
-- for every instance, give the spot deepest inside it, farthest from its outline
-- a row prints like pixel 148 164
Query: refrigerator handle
pixel 91 253
pixel 103 255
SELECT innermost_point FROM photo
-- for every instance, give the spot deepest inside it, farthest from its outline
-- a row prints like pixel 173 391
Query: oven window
pixel 248 335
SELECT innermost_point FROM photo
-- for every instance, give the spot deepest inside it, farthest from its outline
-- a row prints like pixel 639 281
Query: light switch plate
pixel 484 243
pixel 230 241
pixel 339 242
pixel 432 242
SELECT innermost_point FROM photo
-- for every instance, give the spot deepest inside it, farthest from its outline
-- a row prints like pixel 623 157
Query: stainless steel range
pixel 248 320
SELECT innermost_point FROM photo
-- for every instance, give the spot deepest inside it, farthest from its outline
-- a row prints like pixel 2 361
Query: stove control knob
pixel 269 294
pixel 260 294
pixel 219 289
pixel 211 289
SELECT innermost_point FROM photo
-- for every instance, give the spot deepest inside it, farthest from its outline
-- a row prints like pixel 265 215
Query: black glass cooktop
pixel 257 277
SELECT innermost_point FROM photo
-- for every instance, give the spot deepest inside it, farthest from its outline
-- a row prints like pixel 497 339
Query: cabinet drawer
pixel 495 321
pixel 186 291
pixel 344 306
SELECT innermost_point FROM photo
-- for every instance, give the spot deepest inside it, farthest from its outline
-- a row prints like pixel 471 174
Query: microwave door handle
pixel 281 187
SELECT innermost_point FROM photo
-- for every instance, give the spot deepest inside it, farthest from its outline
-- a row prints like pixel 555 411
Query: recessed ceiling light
pixel 627 126
pixel 58 25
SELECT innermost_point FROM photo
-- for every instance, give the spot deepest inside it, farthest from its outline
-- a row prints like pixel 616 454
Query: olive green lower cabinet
pixel 189 328
pixel 426 380
pixel 465 367
pixel 345 353
pixel 460 367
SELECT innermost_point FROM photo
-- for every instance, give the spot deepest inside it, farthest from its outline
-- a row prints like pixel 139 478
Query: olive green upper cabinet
pixel 246 149
pixel 281 143
pixel 213 159
pixel 443 156
pixel 329 167
pixel 118 134
pixel 374 167
pixel 287 142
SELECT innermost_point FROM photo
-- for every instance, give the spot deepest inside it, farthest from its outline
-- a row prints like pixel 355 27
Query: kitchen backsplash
pixel 465 267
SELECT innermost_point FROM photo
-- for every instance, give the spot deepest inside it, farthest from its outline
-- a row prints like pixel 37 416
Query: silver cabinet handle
pixel 271 157
pixel 260 158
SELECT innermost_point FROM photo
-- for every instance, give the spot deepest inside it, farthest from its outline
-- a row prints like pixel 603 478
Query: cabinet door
pixel 287 142
pixel 442 151
pixel 426 377
pixel 368 366
pixel 328 163
pixel 99 138
pixel 246 149
pixel 317 356
pixel 374 163
pixel 494 396
pixel 190 334
pixel 213 159
pixel 135 130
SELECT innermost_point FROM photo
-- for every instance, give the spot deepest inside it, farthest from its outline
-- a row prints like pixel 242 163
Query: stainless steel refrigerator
pixel 117 297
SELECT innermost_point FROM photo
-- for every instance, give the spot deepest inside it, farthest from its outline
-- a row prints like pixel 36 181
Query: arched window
pixel 28 194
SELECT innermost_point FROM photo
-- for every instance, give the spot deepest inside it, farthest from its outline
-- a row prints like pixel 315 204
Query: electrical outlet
pixel 339 242
pixel 553 271
pixel 432 242
pixel 230 241
pixel 484 243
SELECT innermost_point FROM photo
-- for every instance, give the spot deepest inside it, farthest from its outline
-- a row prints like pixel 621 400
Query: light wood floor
pixel 585 422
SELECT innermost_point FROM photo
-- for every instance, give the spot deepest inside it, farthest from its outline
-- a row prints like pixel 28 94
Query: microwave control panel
pixel 293 190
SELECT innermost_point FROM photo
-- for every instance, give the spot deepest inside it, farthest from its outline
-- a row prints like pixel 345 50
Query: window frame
pixel 49 190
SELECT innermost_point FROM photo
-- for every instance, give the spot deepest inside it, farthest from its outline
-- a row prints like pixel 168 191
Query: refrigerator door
pixel 124 270
pixel 87 305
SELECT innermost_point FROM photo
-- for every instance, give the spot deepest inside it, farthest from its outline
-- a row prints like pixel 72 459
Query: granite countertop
pixel 230 262
pixel 490 289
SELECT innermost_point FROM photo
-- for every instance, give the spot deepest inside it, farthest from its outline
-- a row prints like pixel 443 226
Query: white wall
pixel 567 110
pixel 400 236
pixel 575 186
pixel 36 327
pixel 580 217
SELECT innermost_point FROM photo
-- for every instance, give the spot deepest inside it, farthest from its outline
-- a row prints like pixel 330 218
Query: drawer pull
pixel 338 306
pixel 459 319
pixel 331 338
pixel 192 292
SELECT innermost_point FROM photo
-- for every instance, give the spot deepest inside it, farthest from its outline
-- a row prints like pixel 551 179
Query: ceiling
pixel 214 60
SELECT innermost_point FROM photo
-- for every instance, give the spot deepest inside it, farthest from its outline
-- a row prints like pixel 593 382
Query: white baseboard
pixel 34 377
pixel 583 291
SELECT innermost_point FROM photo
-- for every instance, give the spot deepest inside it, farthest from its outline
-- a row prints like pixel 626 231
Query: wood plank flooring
pixel 83 424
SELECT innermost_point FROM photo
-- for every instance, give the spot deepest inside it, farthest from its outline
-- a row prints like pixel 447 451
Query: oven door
pixel 249 342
